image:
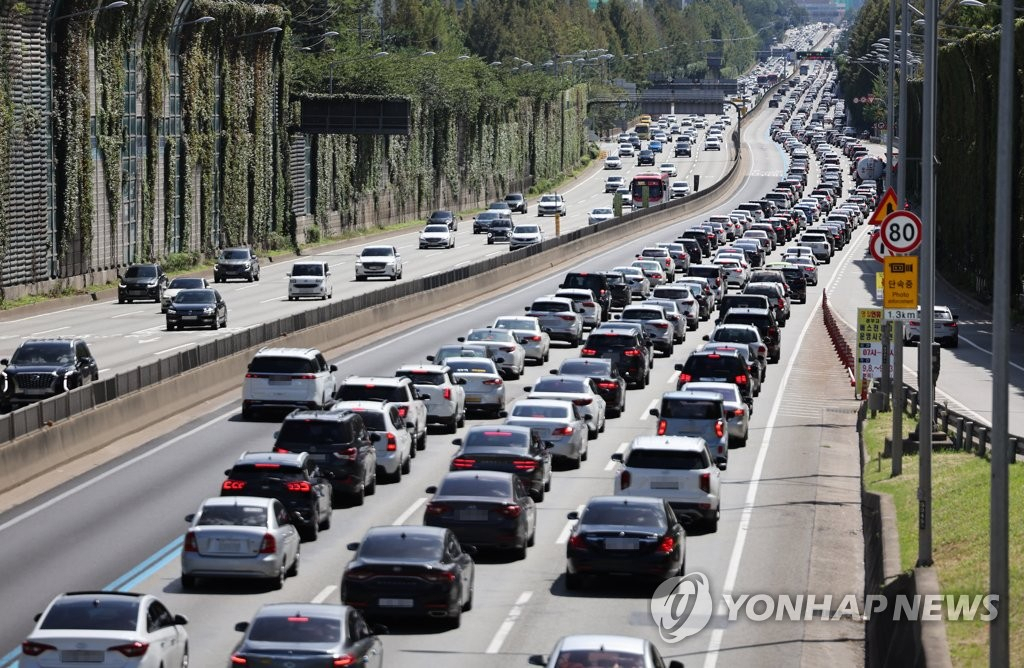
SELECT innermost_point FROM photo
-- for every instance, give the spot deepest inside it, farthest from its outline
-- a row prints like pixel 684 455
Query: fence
pixel 839 342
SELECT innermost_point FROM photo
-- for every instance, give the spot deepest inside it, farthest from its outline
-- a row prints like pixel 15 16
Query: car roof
pixel 548 298
pixel 688 443
pixel 425 368
pixel 288 352
pixel 357 405
pixel 296 459
pixel 332 610
pixel 374 380
pixel 408 530
pixel 238 501
pixel 310 415
pixel 480 474
pixel 470 360
pixel 560 403
pixel 743 310
pixel 691 395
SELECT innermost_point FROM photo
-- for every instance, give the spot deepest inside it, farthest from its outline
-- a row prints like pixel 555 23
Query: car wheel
pixel 325 523
pixel 290 298
pixel 188 581
pixel 421 441
pixel 712 525
pixel 468 605
pixel 573 581
pixel 311 533
pixel 538 496
pixel 371 489
pixel 604 423
pixel 406 465
pixel 455 621
pixel 453 425
pixel 249 277
pixel 955 343
pixel 395 477
pixel 360 278
pixel 358 497
pixel 520 552
pixel 293 570
pixel 214 324
pixel 462 418
pixel 277 582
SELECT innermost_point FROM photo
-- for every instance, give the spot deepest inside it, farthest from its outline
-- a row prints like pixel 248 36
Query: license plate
pixel 473 515
pixel 189 317
pixel 395 602
pixel 714 380
pixel 317 457
pixel 229 546
pixel 472 400
pixel 621 544
pixel 280 381
pixel 82 656
pixel 136 292
pixel 664 484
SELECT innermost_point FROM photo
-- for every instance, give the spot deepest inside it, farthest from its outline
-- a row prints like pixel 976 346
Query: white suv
pixel 287 378
pixel 679 469
pixel 551 205
pixel 445 396
pixel 310 278
pixel 383 261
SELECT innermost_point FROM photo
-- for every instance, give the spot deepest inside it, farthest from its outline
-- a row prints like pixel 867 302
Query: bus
pixel 657 189
pixel 646 119
pixel 643 131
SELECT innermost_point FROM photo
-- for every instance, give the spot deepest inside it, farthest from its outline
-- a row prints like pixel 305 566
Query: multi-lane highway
pixel 119 525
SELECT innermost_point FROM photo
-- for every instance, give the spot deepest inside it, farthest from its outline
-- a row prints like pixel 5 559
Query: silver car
pixel 450 350
pixel 535 341
pixel 672 314
pixel 560 423
pixel 653 270
pixel 240 537
pixel 484 387
pixel 610 650
pixel 683 297
pixel 590 309
pixel 580 390
pixel 503 348
pixel 559 317
pixel 445 396
pixel 654 322
pixel 393 442
pixel 737 413
pixel 639 284
pixel 525 234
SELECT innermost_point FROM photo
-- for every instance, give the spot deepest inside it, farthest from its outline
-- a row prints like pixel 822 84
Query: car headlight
pixel 172 311
pixel 247 265
pixel 151 284
pixel 208 310
pixel 121 286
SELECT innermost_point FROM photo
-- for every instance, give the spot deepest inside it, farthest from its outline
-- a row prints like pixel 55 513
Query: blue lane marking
pixel 133 578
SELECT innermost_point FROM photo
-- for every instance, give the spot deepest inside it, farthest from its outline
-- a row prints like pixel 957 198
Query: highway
pixel 119 525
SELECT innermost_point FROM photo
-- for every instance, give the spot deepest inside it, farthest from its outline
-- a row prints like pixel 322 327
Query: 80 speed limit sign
pixel 901 232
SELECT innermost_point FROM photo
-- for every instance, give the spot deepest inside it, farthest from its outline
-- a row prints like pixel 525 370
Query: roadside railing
pixel 842 347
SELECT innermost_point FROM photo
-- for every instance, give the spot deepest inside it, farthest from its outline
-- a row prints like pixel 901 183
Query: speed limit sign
pixel 901 231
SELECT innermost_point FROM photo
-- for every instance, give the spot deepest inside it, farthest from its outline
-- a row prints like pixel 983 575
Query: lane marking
pixel 510 621
pixel 324 594
pixel 647 411
pixel 142 331
pixel 409 511
pixel 47 331
pixel 167 350
pixel 673 378
pixel 274 299
pixel 126 314
pixel 610 466
pixel 563 536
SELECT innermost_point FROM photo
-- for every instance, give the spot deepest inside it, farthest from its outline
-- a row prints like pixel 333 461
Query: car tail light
pixel 493 381
pixel 524 464
pixel 667 544
pixel 304 376
pixel 191 545
pixel 718 280
pixel 447 393
pixel 662 426
pixel 392 445
pixel 358 575
pixel 346 660
pixel 719 429
pixel 535 337
pixel 507 349
pixel 437 508
pixel 232 485
pixel 463 463
pixel 562 431
pixel 632 352
pixel 582 402
pixel 685 378
pixel 403 411
pixel 269 544
pixel 772 331
pixel 953 324
pixel 568 318
pixel 738 412
pixel 607 385
pixel 782 303
pixel 30 648
pixel 281 450
pixel 589 304
pixel 511 510
pixel 588 352
pixel 349 454
pixel 131 650
pixel 267 466
pixel 302 485
pixel 705 482
pixel 625 480
pixel 439 576
pixel 741 379
pixel 658 276
pixel 577 542
pixel 661 325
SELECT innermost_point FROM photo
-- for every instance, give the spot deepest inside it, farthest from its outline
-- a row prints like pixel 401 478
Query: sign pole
pixel 897 399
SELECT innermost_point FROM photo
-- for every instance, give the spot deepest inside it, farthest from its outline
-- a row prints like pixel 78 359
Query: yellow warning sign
pixel 900 282
pixel 887 205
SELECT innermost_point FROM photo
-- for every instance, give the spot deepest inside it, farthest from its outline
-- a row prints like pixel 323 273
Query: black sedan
pixel 409 571
pixel 322 634
pixel 197 308
pixel 485 509
pixel 509 449
pixel 610 383
pixel 634 536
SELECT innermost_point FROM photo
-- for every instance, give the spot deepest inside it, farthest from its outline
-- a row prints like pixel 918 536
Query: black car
pixel 499 231
pixel 766 324
pixel 645 157
pixel 509 449
pixel 516 202
pixel 701 237
pixel 442 217
pixel 597 283
pixel 622 294
pixel 682 149
pixel 796 279
pixel 42 368
pixel 291 478
pixel 409 571
pixel 197 308
pixel 627 347
pixel 717 366
pixel 340 446
pixel 605 374
pixel 483 220
pixel 619 535
pixel 238 262
pixel 776 294
pixel 485 509
pixel 141 281
pixel 693 249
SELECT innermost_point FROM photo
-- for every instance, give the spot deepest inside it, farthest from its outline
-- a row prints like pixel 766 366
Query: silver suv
pixel 287 378
pixel 695 413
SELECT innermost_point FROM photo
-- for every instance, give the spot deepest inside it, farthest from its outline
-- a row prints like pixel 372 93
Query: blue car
pixel 655 146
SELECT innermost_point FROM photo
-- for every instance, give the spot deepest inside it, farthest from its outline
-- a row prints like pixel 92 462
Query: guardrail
pixel 839 342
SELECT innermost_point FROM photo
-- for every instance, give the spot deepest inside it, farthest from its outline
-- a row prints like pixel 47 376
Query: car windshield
pixel 548 198
pixel 629 514
pixel 690 409
pixel 93 614
pixel 488 215
pixel 513 198
pixel 195 297
pixel 378 252
pixel 308 270
pixel 680 460
pixel 235 255
pixel 297 629
pixel 240 516
pixel 526 229
pixel 441 216
pixel 515 323
pixel 442 229
pixel 462 486
pixel 561 384
pixel 422 377
pixel 599 341
pixel 481 366
pixel 186 283
pixel 43 353
pixel 372 392
pixel 141 271
pixel 392 545
pixel 547 411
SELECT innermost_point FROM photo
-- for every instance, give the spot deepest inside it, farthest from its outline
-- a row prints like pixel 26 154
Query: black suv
pixel 766 324
pixel 42 368
pixel 717 366
pixel 238 262
pixel 596 283
pixel 141 281
pixel 693 249
pixel 339 444
pixel 627 347
pixel 442 217
pixel 645 157
pixel 797 282
pixel 701 237
pixel 291 478
pixel 500 230
pixel 622 293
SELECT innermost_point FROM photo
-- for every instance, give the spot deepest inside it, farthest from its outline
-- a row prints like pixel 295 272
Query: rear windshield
pixel 483 366
pixel 295 629
pixel 372 391
pixel 423 377
pixel 248 472
pixel 624 514
pixel 372 419
pixel 516 323
pixel 97 614
pixel 489 438
pixel 399 545
pixel 666 459
pixel 593 282
pixel 498 489
pixel 642 314
pixel 690 409
pixel 560 384
pixel 705 272
pixel 245 516
pixel 586 368
pixel 765 277
pixel 610 342
pixel 550 307
pixel 742 301
pixel 271 364
pixel 672 293
pixel 535 411
pixel 759 321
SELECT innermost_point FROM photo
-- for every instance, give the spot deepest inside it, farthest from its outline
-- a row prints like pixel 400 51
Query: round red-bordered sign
pixel 878 249
pixel 902 231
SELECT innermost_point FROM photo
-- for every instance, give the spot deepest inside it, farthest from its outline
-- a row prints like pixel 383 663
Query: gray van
pixel 695 413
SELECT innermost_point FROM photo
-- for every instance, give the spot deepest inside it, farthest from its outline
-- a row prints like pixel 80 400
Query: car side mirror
pixel 526 308
pixel 548 445
pixel 423 397
pixel 456 441
pixel 655 412
pixel 528 388
pixel 430 358
pixel 554 372
pixel 499 360
pixel 503 414
pixel 537 660
pixel 678 367
pixel 352 547
pixel 381 630
pixel 227 471
pixel 460 381
pixel 573 515
pixel 5 361
pixel 706 337
pixel 616 456
pixel 180 620
pixel 461 339
pixel 588 417
pixel 410 424
pixel 721 463
pixel 431 490
pixel 333 368
pixel 956 317
pixel 288 274
pixel 276 434
pixel 242 627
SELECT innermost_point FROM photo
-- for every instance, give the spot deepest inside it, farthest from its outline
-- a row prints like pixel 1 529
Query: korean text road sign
pixel 886 205
pixel 902 232
pixel 869 347
pixel 901 283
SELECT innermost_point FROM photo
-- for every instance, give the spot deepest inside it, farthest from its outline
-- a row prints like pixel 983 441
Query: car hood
pixel 138 280
pixel 37 368
pixel 233 261
pixel 191 308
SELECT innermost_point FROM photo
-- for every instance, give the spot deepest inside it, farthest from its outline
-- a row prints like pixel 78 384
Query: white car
pixel 176 286
pixel 310 278
pixel 525 234
pixel 625 149
pixel 445 396
pixel 600 214
pixel 612 183
pixel 379 261
pixel 385 423
pixel 79 629
pixel 613 162
pixel 437 236
pixel 713 144
pixel 737 272
pixel 535 341
pixel 551 204
pixel 287 378
pixel 679 189
pixel 579 390
pixel 668 168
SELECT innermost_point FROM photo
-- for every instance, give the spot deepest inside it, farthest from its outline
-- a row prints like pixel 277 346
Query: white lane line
pixel 494 254
pixel 274 299
pixel 673 378
pixel 563 536
pixel 50 313
pixel 409 511
pixel 167 350
pixel 619 450
pixel 510 621
pixel 647 411
pixel 324 594
pixel 143 331
pixel 337 264
pixel 103 370
pixel 125 315
pixel 148 340
pixel 47 331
